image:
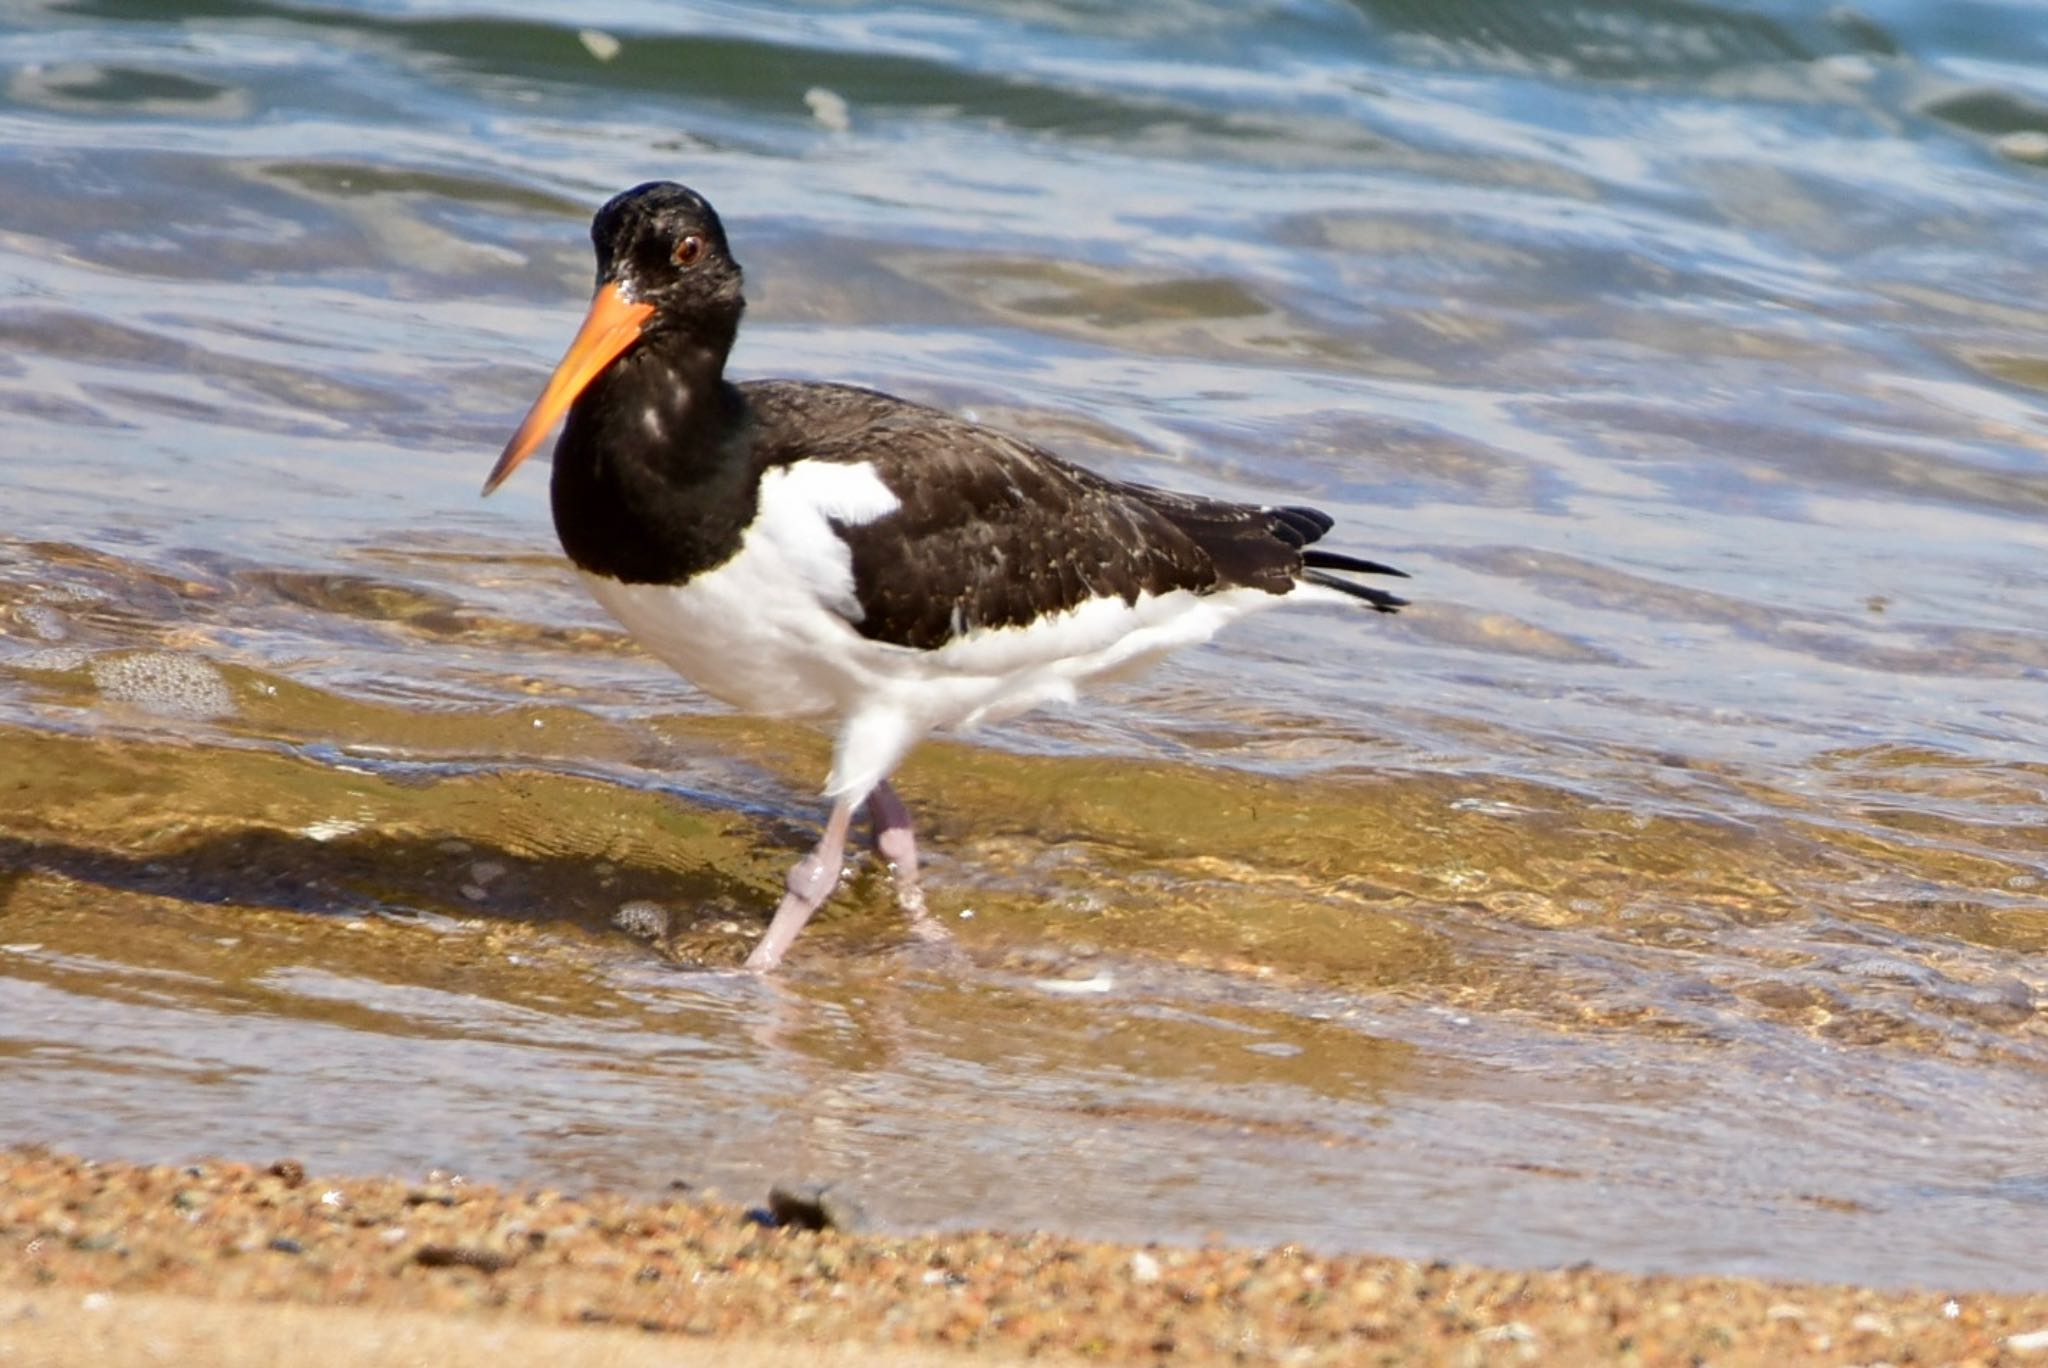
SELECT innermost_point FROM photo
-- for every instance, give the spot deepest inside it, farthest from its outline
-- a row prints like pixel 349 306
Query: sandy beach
pixel 245 1264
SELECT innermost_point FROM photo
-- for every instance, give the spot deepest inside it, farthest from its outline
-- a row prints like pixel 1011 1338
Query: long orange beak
pixel 612 325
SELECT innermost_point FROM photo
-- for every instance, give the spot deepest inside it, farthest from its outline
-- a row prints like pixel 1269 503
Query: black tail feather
pixel 1300 526
pixel 1380 599
pixel 1337 560
pixel 1267 547
pixel 1309 524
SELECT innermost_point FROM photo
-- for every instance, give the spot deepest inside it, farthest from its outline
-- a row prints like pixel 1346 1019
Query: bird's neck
pixel 659 403
pixel 653 477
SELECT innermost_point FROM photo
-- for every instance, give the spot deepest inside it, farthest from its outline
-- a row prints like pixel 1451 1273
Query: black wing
pixel 993 532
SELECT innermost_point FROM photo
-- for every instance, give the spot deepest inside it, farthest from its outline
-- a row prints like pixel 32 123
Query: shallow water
pixel 1664 889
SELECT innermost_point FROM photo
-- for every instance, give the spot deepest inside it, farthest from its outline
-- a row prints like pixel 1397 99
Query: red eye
pixel 688 250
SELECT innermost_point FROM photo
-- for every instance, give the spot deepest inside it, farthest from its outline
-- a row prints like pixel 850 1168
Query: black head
pixel 662 244
pixel 666 282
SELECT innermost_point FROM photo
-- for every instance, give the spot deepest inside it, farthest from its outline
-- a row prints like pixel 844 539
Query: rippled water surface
pixel 1664 889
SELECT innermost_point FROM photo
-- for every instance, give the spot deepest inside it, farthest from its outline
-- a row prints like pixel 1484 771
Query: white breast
pixel 769 631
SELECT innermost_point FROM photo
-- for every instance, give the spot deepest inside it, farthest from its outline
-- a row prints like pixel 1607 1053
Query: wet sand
pixel 117 1263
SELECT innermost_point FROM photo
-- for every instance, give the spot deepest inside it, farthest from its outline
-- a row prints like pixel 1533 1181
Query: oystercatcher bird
pixel 821 550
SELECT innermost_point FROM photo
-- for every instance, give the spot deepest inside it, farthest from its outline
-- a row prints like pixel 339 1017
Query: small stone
pixel 2005 1001
pixel 2028 1342
pixel 2024 144
pixel 462 1256
pixel 1849 67
pixel 1098 982
pixel 829 108
pixel 643 918
pixel 815 1206
pixel 290 1170
pixel 284 1244
pixel 1144 1268
pixel 164 683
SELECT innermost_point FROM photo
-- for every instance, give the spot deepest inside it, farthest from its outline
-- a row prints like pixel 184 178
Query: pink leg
pixel 810 882
pixel 896 843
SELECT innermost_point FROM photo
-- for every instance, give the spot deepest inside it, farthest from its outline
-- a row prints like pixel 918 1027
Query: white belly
pixel 772 632
pixel 741 638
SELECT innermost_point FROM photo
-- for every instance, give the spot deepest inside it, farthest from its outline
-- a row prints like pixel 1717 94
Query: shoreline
pixel 253 1262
